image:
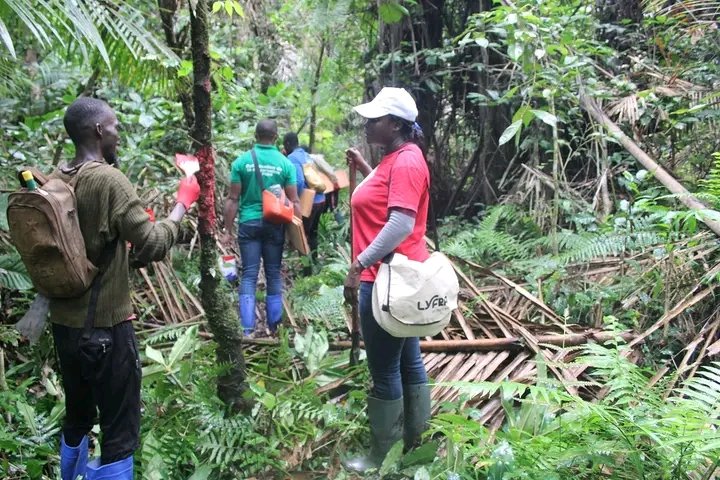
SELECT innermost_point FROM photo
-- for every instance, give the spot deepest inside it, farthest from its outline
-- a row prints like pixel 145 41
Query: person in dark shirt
pixel 102 373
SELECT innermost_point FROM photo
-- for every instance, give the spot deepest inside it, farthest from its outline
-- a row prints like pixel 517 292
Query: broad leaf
pixel 515 51
pixel 183 345
pixel 510 132
pixel 155 355
pixel 546 117
pixel 13 274
pixel 202 473
pixel 482 41
pixel 392 12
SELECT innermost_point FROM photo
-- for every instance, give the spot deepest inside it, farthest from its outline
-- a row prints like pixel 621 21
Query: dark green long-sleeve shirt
pixel 109 208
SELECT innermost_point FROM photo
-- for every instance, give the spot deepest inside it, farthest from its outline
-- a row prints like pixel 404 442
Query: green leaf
pixel 13 274
pixel 227 72
pixel 546 117
pixel 202 473
pixel 510 132
pixel 521 113
pixel 186 67
pixel 390 463
pixel 183 345
pixel 392 12
pixel 155 355
pixel 238 9
pixel 146 120
pixel 482 42
pixel 6 39
pixel 421 474
pixel 217 6
pixel 229 7
pixel 424 454
pixel 515 51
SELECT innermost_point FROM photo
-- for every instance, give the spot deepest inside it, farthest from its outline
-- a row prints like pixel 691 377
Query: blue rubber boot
pixel 73 460
pixel 247 313
pixel 120 470
pixel 274 310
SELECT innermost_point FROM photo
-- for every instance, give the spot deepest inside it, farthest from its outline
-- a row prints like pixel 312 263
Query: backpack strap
pixel 258 176
pixel 75 172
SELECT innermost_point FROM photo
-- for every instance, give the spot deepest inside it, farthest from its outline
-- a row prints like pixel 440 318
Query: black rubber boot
pixel 417 413
pixel 386 428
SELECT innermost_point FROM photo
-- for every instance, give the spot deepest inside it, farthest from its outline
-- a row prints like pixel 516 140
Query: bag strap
pixel 103 263
pixel 258 176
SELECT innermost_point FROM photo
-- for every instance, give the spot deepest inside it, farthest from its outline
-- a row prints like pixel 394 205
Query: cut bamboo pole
pixel 483 344
pixel 650 165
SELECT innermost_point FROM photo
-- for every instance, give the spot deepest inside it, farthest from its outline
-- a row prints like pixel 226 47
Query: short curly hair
pixel 82 116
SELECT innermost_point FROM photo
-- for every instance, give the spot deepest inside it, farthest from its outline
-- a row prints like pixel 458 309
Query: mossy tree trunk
pixel 220 313
pixel 177 41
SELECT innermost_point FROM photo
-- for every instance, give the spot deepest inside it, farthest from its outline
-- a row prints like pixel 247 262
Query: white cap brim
pixel 371 110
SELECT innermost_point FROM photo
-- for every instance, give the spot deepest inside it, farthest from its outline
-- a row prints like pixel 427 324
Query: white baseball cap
pixel 390 101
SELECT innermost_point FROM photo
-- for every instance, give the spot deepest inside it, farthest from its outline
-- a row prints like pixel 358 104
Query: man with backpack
pixel 92 330
pixel 308 177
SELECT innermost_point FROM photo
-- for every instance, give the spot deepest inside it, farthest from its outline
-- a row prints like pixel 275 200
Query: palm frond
pixel 116 35
pixel 690 12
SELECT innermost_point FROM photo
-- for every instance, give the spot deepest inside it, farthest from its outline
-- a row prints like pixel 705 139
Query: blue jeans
pixel 392 361
pixel 259 239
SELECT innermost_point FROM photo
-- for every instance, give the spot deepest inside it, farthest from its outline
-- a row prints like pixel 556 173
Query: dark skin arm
pixel 230 212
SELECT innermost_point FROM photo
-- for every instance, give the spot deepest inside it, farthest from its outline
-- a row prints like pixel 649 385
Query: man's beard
pixel 112 159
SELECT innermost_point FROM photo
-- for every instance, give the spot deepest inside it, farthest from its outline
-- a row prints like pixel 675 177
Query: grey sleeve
pixel 397 229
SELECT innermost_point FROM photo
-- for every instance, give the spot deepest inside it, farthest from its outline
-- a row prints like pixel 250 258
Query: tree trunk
pixel 177 43
pixel 220 314
pixel 269 49
pixel 616 15
pixel 313 93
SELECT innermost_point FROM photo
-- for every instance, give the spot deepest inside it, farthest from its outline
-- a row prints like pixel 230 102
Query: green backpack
pixel 45 230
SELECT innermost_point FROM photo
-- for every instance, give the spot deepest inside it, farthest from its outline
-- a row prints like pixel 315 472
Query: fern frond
pixel 587 247
pixel 710 185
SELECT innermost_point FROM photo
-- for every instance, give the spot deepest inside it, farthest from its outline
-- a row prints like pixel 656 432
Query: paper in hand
pixel 187 163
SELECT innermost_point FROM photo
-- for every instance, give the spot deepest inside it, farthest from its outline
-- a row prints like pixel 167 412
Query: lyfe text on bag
pixel 435 302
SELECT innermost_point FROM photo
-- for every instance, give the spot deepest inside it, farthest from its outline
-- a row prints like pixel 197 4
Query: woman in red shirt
pixel 389 214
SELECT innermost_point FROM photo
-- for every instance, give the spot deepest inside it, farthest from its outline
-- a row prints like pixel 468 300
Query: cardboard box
pixel 306 201
pixel 342 177
pixel 295 235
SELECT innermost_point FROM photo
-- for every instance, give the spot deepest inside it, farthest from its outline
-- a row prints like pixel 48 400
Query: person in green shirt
pixel 257 238
pixel 100 365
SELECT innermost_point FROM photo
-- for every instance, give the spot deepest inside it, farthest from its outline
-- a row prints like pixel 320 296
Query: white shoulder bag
pixel 415 299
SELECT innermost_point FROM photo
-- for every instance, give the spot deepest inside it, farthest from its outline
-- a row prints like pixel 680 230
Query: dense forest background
pixel 555 129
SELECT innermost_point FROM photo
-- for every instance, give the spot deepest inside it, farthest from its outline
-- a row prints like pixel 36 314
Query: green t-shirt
pixel 275 168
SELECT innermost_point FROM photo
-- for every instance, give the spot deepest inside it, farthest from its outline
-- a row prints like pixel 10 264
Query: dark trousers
pixel 108 381
pixel 261 240
pixel 393 362
pixel 311 225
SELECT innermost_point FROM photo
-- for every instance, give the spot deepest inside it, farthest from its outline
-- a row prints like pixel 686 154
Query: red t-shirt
pixel 402 180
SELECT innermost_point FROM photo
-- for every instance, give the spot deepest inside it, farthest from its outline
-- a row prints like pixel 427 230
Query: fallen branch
pixel 690 300
pixel 650 165
pixel 481 344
